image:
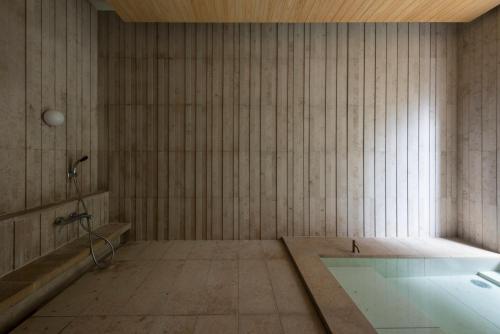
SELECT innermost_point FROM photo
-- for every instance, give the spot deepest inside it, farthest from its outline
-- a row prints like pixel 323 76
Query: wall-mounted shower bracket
pixel 72 169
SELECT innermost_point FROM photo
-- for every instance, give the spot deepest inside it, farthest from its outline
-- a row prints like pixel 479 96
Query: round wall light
pixel 53 117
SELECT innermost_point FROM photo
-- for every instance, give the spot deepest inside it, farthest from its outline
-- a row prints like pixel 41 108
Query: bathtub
pixel 422 295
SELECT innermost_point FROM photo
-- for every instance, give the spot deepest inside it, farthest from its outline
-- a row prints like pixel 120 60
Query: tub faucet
pixel 73 217
pixel 355 247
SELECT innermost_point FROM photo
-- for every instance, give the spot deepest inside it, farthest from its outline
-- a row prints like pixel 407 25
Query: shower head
pixel 72 170
pixel 82 159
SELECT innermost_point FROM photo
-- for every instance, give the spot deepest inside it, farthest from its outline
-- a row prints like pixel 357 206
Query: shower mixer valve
pixel 73 217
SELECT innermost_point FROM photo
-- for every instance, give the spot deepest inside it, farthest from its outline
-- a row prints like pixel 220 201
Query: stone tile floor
pixel 185 287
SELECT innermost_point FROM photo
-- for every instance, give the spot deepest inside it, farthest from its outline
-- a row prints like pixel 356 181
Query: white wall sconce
pixel 53 117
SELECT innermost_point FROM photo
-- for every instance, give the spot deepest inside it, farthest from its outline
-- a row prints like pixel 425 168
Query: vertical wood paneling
pixel 33 100
pixel 290 129
pixel 441 137
pixel 256 131
pixel 26 235
pixel 464 104
pixel 163 146
pixel 47 235
pixel 478 143
pixel 209 128
pixel 412 148
pixel 13 97
pixel 298 133
pixel 61 97
pixel 131 130
pixel 281 130
pixel 13 107
pixel 498 127
pixel 177 130
pixel 7 246
pixel 369 132
pixel 432 133
pixel 244 132
pixel 265 126
pixel 391 130
pixel 306 127
pixel 268 131
pixel 342 191
pixel 317 115
pixel 48 100
pixel 140 119
pixel 200 131
pixel 72 83
pixel 45 56
pixel 402 132
pixel 217 131
pixel 228 132
pixel 26 239
pixel 39 72
pixel 330 130
pixel 451 133
pixel 355 130
pixel 94 127
pixel 189 209
pixel 380 127
pixel 152 137
pixel 465 72
pixel 235 111
pixel 85 91
pixel 423 131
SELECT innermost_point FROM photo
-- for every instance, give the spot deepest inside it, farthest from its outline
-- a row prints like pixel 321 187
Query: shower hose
pixel 88 229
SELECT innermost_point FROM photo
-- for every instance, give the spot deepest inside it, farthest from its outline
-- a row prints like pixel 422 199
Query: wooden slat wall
pixel 478 140
pixel 49 61
pixel 262 130
pixel 29 234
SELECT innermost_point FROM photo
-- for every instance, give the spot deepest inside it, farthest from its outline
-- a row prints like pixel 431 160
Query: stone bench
pixel 23 290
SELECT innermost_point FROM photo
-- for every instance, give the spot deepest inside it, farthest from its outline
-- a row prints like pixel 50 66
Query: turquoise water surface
pixel 416 295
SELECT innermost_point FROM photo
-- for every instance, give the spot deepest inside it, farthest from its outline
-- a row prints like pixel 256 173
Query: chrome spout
pixel 355 247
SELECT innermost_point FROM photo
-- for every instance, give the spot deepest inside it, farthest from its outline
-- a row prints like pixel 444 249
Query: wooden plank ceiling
pixel 301 10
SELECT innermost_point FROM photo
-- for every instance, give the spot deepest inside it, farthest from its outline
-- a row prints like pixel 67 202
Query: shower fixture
pixel 84 216
pixel 72 169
